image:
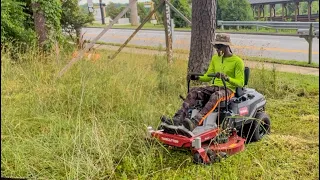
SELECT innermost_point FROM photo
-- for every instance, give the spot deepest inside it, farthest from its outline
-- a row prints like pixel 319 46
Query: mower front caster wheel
pixel 197 158
pixel 212 157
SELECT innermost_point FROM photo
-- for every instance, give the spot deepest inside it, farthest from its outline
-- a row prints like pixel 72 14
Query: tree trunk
pixel 202 34
pixel 134 14
pixel 79 39
pixel 39 23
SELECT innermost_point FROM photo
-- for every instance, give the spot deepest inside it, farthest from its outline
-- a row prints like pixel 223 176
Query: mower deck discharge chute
pixel 235 121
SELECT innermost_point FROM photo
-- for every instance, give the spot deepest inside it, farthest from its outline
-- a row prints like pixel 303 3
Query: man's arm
pixel 210 70
pixel 238 80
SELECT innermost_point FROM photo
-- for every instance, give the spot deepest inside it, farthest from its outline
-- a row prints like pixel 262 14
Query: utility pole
pixel 168 31
pixel 134 14
pixel 102 12
pixel 309 39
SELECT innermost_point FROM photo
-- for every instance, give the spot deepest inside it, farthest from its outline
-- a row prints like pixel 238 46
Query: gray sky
pixel 107 1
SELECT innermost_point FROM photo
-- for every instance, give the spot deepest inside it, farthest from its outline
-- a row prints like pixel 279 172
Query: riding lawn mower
pixel 236 121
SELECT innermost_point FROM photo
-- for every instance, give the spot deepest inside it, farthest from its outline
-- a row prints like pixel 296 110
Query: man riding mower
pixel 219 118
pixel 226 66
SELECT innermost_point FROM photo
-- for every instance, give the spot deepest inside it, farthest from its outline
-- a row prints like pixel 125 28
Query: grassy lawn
pixel 90 124
pixel 248 58
pixel 241 30
pixel 281 61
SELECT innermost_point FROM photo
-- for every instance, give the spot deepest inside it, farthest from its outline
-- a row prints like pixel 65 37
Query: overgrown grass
pixel 91 123
pixel 248 58
pixel 281 61
pixel 231 30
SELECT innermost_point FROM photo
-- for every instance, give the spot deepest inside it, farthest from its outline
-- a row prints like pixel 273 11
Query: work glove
pixel 222 76
pixel 194 77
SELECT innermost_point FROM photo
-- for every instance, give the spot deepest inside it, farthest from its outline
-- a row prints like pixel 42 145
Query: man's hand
pixel 222 76
pixel 194 77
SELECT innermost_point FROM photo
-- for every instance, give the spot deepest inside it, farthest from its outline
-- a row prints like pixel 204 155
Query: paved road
pixel 279 47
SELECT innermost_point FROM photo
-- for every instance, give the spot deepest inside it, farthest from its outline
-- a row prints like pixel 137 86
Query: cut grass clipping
pixel 91 123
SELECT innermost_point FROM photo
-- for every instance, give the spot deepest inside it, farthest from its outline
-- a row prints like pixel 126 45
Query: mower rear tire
pixel 259 128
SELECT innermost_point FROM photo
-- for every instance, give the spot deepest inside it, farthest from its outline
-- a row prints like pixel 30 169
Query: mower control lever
pixel 189 79
pixel 199 74
pixel 212 75
pixel 195 74
pixel 225 87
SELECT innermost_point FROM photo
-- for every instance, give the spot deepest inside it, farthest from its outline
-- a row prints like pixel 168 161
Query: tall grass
pixel 90 124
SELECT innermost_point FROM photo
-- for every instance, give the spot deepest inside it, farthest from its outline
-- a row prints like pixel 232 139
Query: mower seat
pixel 240 91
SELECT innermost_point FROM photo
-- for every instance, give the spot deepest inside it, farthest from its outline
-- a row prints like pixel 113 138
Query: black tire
pixel 197 158
pixel 257 129
pixel 212 156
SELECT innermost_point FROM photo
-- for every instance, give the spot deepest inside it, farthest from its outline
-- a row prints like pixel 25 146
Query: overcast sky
pixel 107 1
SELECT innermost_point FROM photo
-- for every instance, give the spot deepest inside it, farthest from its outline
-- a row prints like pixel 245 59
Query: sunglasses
pixel 218 46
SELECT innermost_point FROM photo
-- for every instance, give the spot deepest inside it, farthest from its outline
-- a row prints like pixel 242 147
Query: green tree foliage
pixel 159 12
pixel 227 10
pixel 15 22
pixel 52 13
pixel 184 7
pixel 112 10
pixel 142 11
pixel 74 17
pixel 234 10
pixel 121 8
pixel 315 7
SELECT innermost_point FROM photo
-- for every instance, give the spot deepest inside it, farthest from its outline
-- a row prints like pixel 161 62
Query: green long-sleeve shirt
pixel 232 66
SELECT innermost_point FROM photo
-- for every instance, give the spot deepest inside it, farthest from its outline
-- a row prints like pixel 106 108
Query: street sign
pixel 90 6
pixel 90 3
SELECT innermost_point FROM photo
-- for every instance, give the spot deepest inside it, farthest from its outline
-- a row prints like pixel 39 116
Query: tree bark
pixel 39 23
pixel 202 34
pixel 134 14
pixel 79 39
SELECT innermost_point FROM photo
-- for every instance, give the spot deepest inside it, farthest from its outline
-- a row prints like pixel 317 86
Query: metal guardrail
pixel 306 30
pixel 269 24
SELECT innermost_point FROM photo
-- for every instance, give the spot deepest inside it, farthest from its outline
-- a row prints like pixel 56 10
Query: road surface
pixel 278 47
